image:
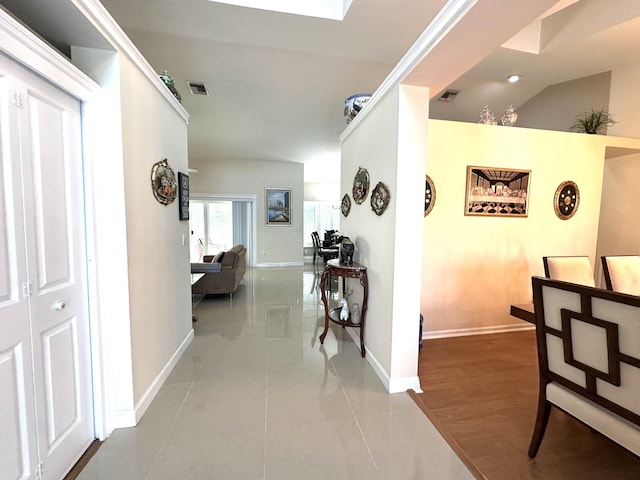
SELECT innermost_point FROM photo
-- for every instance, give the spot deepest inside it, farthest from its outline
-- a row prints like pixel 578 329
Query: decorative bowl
pixel 354 104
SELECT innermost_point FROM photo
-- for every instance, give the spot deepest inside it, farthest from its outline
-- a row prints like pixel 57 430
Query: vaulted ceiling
pixel 277 82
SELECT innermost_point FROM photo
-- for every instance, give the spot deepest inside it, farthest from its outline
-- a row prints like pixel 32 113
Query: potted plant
pixel 593 121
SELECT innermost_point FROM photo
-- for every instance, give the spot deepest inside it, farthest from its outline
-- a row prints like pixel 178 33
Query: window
pixel 318 217
pixel 218 225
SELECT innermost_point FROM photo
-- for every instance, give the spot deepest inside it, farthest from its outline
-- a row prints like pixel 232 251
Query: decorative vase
pixel 510 116
pixel 355 314
pixel 487 117
pixel 171 85
pixel 354 104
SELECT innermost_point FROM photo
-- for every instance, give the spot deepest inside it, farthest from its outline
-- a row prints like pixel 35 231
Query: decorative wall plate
pixel 380 198
pixel 566 200
pixel 360 185
pixel 345 207
pixel 429 195
pixel 163 182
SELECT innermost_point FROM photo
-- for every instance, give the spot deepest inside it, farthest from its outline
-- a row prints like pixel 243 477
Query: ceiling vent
pixel 448 95
pixel 198 88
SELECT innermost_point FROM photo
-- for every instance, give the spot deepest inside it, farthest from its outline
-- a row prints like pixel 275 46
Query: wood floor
pixel 483 390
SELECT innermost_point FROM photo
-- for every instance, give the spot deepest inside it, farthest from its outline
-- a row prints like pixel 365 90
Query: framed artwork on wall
pixel 278 206
pixel 566 200
pixel 429 195
pixel 183 188
pixel 498 192
pixel 163 182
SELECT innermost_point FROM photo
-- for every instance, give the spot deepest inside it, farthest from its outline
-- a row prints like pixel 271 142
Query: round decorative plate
pixel 380 198
pixel 163 182
pixel 566 200
pixel 360 185
pixel 345 207
pixel 429 195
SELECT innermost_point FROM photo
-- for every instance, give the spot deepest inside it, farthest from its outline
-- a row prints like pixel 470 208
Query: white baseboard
pixel 393 385
pixel 124 419
pixel 279 265
pixel 463 332
pixel 157 383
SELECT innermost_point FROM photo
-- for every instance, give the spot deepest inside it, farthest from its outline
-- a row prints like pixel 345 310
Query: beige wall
pixel 389 142
pixel 475 267
pixel 160 297
pixel 619 232
pixel 557 106
pixel 275 246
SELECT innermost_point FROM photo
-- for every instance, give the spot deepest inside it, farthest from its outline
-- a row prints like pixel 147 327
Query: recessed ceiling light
pixel 513 78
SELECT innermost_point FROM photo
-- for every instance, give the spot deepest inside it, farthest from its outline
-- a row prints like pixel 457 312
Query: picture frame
pixel 497 192
pixel 278 207
pixel 183 195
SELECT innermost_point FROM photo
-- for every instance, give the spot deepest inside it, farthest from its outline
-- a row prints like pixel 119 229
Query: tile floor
pixel 256 396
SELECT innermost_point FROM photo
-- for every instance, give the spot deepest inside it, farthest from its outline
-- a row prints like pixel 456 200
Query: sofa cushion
pixel 205 267
pixel 230 255
pixel 218 258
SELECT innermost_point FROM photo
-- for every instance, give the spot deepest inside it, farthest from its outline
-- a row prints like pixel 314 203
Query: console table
pixel 336 269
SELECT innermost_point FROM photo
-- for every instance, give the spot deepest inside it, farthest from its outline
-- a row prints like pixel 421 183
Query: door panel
pixel 18 441
pixel 50 157
pixel 54 215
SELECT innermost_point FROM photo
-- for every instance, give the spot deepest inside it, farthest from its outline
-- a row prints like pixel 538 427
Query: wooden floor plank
pixel 483 391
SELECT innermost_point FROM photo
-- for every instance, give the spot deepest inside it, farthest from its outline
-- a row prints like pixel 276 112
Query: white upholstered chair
pixel 622 273
pixel 569 269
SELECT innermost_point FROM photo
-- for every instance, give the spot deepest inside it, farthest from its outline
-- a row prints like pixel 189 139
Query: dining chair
pixel 320 251
pixel 574 269
pixel 622 273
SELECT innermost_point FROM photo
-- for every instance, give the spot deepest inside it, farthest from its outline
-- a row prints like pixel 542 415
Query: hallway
pixel 256 396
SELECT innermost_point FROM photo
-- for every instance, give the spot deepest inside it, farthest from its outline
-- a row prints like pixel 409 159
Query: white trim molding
pixel 444 21
pixel 463 332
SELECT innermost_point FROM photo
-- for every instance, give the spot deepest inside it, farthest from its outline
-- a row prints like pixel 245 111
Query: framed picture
pixel 183 188
pixel 498 192
pixel 278 203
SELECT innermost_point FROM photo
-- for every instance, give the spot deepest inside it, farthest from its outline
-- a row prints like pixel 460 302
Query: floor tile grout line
pixel 355 417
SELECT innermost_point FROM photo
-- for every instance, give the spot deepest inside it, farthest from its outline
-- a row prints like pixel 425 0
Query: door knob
pixel 59 305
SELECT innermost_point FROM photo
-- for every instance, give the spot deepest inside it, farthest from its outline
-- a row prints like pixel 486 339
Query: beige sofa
pixel 221 275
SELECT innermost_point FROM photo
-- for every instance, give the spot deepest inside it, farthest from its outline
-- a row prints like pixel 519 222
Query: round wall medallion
pixel 429 195
pixel 380 198
pixel 360 185
pixel 345 207
pixel 566 200
pixel 163 182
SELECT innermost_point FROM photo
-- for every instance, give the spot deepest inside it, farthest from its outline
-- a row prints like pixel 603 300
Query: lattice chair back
pixel 589 358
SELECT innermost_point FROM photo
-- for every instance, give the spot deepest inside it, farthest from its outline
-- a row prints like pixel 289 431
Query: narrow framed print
pixel 498 192
pixel 278 206
pixel 183 189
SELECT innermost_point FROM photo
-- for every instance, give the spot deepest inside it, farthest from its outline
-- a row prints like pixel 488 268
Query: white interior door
pixel 18 441
pixel 55 290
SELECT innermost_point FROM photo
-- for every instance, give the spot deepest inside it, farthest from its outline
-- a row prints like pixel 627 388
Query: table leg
pixel 322 287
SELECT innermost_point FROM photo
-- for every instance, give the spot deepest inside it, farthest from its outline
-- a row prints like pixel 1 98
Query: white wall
pixel 390 143
pixel 474 268
pixel 157 241
pixel 322 192
pixel 275 245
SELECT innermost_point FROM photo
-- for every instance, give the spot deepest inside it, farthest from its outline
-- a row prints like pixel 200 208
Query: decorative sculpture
pixel 344 312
